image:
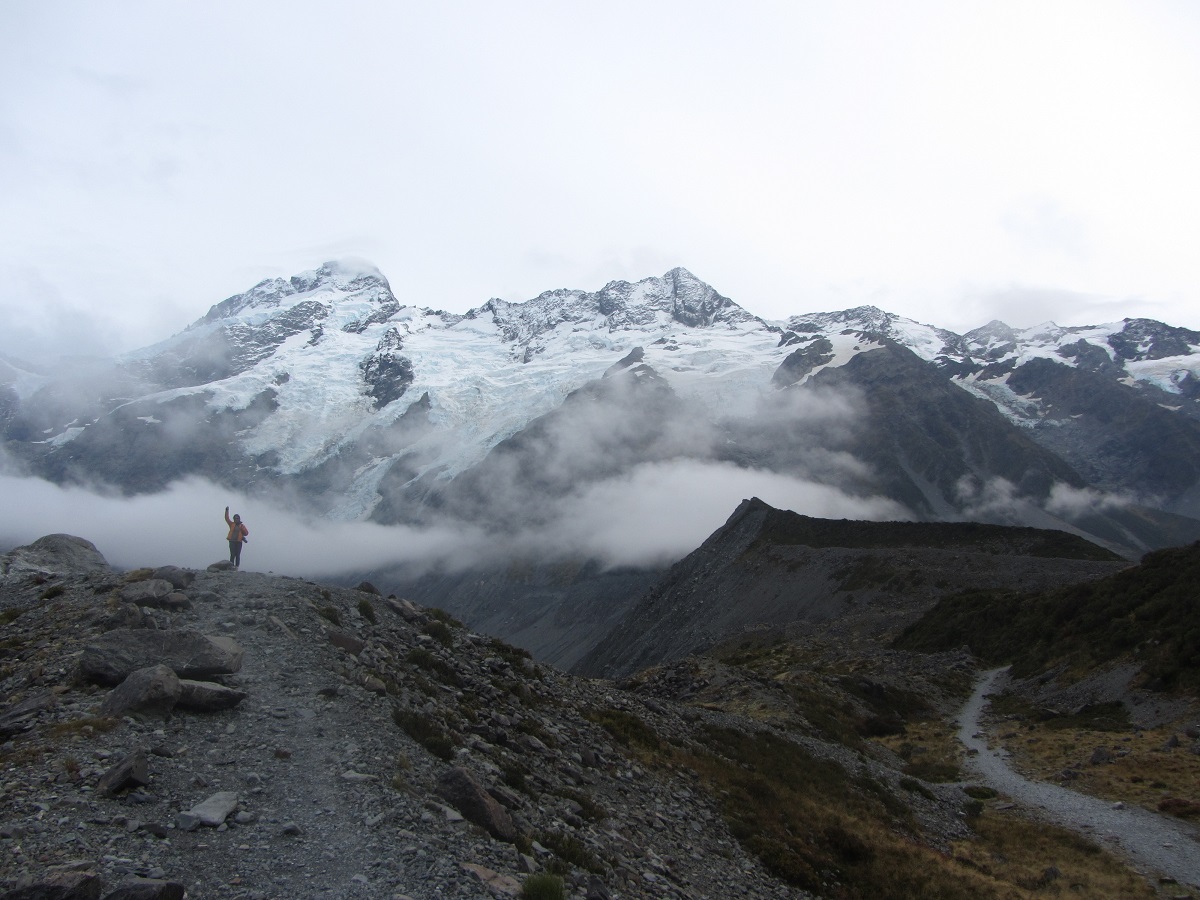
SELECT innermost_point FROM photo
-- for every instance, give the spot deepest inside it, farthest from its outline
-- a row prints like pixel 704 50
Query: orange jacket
pixel 237 530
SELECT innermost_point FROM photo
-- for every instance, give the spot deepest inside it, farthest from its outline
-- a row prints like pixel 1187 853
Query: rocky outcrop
pixel 58 554
pixel 113 656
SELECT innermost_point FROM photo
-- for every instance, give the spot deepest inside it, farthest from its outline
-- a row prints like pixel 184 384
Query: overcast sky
pixel 953 162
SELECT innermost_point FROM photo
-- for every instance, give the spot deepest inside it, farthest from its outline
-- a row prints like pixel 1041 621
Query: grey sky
pixel 952 162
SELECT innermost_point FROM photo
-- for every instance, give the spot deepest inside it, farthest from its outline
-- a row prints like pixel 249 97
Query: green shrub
pixel 424 659
pixel 10 615
pixel 543 887
pixel 570 850
pixel 54 590
pixel 440 632
pixel 426 731
pixel 331 613
pixel 367 611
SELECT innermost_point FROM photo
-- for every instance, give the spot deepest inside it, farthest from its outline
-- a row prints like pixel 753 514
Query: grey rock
pixel 132 771
pixel 1101 756
pixel 126 615
pixel 345 641
pixel 153 690
pixel 207 696
pixel 111 657
pixel 146 593
pixel 179 578
pixel 211 812
pixel 59 886
pixel 61 554
pixel 16 718
pixel 463 791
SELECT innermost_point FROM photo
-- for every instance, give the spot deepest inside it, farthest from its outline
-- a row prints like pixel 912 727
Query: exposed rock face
pixel 111 657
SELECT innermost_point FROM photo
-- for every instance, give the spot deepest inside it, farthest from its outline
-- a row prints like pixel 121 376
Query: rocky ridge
pixel 377 749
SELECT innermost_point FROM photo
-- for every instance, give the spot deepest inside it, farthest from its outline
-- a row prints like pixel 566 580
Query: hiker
pixel 238 533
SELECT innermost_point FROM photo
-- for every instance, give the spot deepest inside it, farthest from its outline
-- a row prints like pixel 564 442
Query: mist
pixel 652 515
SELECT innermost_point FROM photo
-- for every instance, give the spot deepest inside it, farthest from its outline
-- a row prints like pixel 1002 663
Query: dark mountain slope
pixel 769 567
pixel 923 435
pixel 1148 615
pixel 1120 438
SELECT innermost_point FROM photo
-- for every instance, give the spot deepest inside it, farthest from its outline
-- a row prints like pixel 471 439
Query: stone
pixel 132 771
pixel 179 578
pixel 462 790
pixel 61 554
pixel 345 641
pixel 211 812
pixel 126 615
pixel 207 696
pixel 176 601
pixel 1101 756
pixel 20 716
pixel 153 690
pixel 147 889
pixel 367 588
pixel 111 657
pixel 146 593
pixel 60 886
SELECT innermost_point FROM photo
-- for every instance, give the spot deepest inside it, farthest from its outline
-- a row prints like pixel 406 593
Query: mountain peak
pixel 347 275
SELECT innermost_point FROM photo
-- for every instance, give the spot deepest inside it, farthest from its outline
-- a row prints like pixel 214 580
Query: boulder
pixel 132 771
pixel 60 886
pixel 211 812
pixel 345 641
pixel 462 790
pixel 207 696
pixel 21 716
pixel 153 690
pixel 59 554
pixel 111 657
pixel 179 578
pixel 146 593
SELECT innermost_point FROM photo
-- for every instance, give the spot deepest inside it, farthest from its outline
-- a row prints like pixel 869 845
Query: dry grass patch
pixel 1141 770
pixel 930 749
pixel 1031 859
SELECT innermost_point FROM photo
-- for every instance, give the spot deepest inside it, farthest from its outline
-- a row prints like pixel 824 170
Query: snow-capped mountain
pixel 371 406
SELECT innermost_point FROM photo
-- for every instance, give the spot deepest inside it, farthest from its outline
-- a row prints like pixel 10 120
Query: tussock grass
pixel 1143 769
pixel 426 731
pixel 367 611
pixel 12 614
pixel 542 887
pixel 1025 859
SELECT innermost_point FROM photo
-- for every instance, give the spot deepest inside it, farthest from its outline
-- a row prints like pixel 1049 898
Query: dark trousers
pixel 235 553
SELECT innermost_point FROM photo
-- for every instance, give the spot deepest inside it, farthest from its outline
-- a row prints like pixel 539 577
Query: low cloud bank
pixel 660 512
pixel 185 526
pixel 653 515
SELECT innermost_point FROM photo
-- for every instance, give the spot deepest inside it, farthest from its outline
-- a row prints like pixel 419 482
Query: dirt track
pixel 1152 842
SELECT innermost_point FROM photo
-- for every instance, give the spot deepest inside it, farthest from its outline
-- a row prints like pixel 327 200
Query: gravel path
pixel 1155 842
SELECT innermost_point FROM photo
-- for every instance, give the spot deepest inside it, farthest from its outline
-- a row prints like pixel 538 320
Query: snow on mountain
pixel 329 370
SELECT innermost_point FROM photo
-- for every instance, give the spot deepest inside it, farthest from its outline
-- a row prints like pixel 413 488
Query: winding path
pixel 1166 846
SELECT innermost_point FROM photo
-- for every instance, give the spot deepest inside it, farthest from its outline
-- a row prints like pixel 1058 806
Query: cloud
pixel 660 512
pixel 1072 503
pixel 184 526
